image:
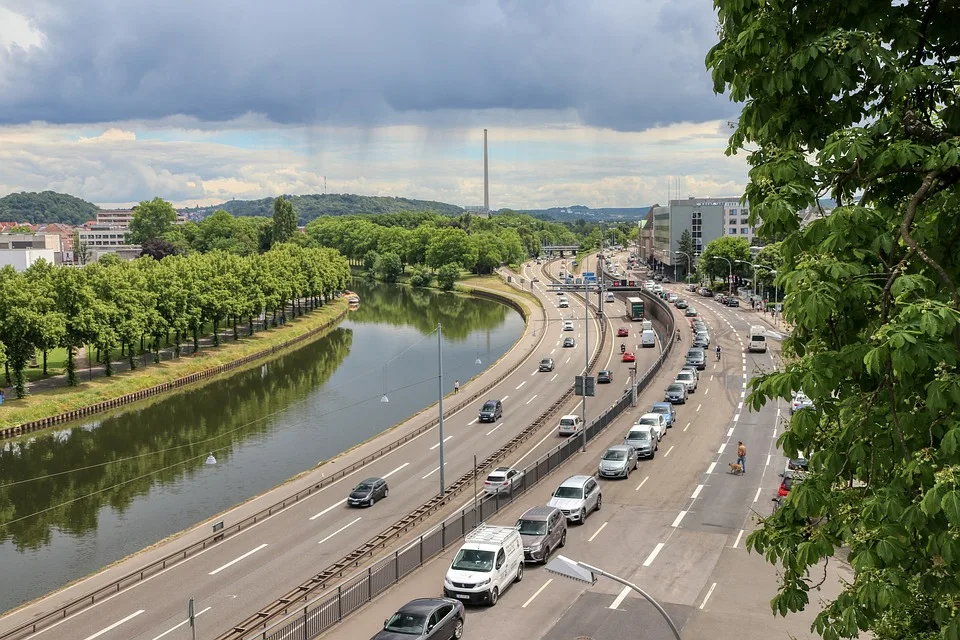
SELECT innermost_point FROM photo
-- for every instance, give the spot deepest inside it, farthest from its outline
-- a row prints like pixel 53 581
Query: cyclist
pixel 718 352
pixel 678 335
pixel 623 348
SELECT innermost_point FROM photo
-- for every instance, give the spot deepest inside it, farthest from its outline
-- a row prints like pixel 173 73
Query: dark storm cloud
pixel 622 64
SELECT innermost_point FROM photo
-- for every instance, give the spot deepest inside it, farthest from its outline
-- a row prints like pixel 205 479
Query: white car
pixel 800 401
pixel 502 480
pixel 570 425
pixel 672 298
pixel 568 325
pixel 657 423
pixel 688 380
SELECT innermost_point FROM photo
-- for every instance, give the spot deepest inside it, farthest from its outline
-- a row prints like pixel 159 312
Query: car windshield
pixel 490 406
pixel 473 560
pixel 568 492
pixel 675 387
pixel 615 454
pixel 638 435
pixel 403 622
pixel 694 353
pixel 532 527
pixel 496 477
pixel 753 339
pixel 650 421
pixel 545 361
pixel 363 487
pixel 664 410
pixel 684 375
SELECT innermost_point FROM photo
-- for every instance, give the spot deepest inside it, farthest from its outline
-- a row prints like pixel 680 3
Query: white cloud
pixel 17 31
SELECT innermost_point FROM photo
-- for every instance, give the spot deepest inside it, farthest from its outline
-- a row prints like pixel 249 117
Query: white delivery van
pixel 758 340
pixel 646 326
pixel 490 560
pixel 610 297
pixel 648 338
pixel 563 303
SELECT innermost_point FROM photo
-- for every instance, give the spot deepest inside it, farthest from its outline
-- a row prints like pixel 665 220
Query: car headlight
pixel 483 583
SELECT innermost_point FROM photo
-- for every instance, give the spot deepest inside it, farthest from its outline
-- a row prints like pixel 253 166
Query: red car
pixel 623 332
pixel 629 357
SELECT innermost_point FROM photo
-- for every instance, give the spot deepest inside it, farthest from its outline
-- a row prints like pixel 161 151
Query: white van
pixel 570 425
pixel 610 297
pixel 563 303
pixel 646 326
pixel 648 338
pixel 758 340
pixel 490 560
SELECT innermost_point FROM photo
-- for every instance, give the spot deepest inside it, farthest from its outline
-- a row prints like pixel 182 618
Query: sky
pixel 603 103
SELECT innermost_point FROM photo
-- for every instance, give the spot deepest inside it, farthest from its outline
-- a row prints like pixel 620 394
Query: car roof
pixel 575 481
pixel 569 415
pixel 422 605
pixel 619 447
pixel 370 480
pixel 538 513
pixel 655 416
pixel 662 404
pixel 674 384
pixel 501 470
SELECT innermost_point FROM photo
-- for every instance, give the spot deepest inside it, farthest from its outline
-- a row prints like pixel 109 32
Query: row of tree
pixel 137 304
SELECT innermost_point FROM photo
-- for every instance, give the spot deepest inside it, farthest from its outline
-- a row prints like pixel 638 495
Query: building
pixel 103 236
pixel 20 250
pixel 123 217
pixel 705 218
pixel 645 237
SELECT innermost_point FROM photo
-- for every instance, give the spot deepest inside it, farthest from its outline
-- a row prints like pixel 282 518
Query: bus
pixel 635 309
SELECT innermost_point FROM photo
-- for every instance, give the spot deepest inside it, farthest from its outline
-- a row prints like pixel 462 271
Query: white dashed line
pixel 737 541
pixel 713 465
pixel 228 565
pixel 642 482
pixel 329 509
pixel 339 530
pixel 433 472
pixel 520 385
pixel 730 432
pixel 538 592
pixel 653 554
pixel 768 459
pixel 531 399
pixel 686 427
pixel 722 447
pixel 554 377
pixel 757 497
pixel 696 492
pixel 620 597
pixel 474 421
pixel 707 597
pixel 736 417
pixel 116 624
pixel 668 451
pixel 676 521
pixel 597 532
pixel 504 398
pixel 698 407
pixel 438 444
pixel 707 391
pixel 491 430
pixel 740 406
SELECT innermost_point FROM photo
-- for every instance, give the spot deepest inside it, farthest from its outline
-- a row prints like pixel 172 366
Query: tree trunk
pixel 141 342
pixel 44 363
pixel 216 333
pixel 6 372
pixel 122 347
pixel 156 349
pixel 236 336
pixel 176 345
pixel 19 384
pixel 250 323
pixel 107 365
pixel 273 322
pixel 196 339
pixel 71 368
pixel 131 354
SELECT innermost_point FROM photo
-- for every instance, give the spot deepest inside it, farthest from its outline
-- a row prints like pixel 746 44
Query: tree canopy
pixel 309 207
pixel 284 220
pixel 151 219
pixel 46 207
pixel 713 263
pixel 858 101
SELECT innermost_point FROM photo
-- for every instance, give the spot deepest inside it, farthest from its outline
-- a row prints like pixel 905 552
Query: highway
pixel 236 577
pixel 676 528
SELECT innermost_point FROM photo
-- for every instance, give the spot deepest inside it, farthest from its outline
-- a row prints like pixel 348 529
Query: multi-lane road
pixel 676 528
pixel 246 571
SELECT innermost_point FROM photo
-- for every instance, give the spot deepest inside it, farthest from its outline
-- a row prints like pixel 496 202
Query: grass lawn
pixel 494 283
pixel 49 402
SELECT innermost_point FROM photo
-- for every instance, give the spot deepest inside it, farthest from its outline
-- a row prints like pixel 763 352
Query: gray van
pixel 542 529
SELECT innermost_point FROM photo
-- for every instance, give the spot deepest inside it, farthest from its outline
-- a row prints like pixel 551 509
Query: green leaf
pixel 931 502
pixel 951 507
pixel 951 441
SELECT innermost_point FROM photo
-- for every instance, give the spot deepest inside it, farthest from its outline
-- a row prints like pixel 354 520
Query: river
pixel 75 499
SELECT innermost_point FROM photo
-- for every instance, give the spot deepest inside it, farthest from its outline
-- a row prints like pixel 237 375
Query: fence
pixel 323 613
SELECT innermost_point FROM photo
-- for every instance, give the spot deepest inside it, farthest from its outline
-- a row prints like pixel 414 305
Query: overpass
pixel 561 249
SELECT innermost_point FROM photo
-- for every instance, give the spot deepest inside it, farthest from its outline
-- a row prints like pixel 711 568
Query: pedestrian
pixel 742 456
pixel 456 386
pixel 1 396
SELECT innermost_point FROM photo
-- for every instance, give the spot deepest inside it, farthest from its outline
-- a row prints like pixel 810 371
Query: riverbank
pixel 51 406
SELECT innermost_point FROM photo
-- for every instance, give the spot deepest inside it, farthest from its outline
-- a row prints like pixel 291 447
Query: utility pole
pixel 440 382
pixel 586 359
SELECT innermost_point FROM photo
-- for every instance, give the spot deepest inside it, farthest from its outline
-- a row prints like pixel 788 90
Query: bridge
pixel 561 249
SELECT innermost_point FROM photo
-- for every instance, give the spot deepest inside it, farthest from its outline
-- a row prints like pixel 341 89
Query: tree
pixel 388 267
pixel 284 221
pixel 151 219
pixel 451 246
pixel 713 267
pixel 369 259
pixel 860 102
pixel 447 275
pixel 687 252
pixel 158 248
pixel 20 228
pixel 81 249
pixel 421 276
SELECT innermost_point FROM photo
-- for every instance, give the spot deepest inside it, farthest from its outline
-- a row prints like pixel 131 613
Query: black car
pixel 491 411
pixel 604 376
pixel 681 304
pixel 423 618
pixel 732 302
pixel 546 364
pixel 569 342
pixel 368 492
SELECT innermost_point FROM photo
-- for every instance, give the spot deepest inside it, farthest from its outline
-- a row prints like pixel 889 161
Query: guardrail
pixel 319 615
pixel 302 594
pixel 222 533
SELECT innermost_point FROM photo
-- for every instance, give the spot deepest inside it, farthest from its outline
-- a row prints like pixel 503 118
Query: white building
pixel 20 250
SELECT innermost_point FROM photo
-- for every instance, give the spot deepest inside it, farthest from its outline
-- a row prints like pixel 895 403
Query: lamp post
pixel 586 360
pixel 729 273
pixel 689 263
pixel 440 387
pixel 583 572
pixel 776 294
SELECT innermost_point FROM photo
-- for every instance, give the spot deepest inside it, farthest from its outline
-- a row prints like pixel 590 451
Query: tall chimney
pixel 486 175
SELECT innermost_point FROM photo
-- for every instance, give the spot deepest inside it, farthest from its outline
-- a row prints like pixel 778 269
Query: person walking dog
pixel 742 456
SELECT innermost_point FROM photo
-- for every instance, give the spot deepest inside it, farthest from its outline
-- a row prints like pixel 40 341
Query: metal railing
pixel 321 614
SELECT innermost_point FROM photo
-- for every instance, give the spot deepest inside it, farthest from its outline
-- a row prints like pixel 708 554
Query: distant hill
pixel 315 205
pixel 46 207
pixel 578 211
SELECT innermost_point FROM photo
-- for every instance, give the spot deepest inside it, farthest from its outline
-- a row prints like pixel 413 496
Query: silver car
pixel 676 393
pixel 692 369
pixel 576 497
pixel 688 379
pixel 617 462
pixel 698 358
pixel 701 339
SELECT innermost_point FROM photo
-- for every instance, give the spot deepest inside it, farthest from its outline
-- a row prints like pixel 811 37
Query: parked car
pixel 367 492
pixel 628 356
pixel 687 379
pixel 617 462
pixel 502 480
pixel 668 411
pixel 423 618
pixel 676 393
pixel 604 376
pixel 491 411
pixel 697 357
pixel 642 438
pixel 488 562
pixel 570 425
pixel 656 422
pixel 576 497
pixel 569 342
pixel 672 298
pixel 542 530
pixel 690 312
pixel 681 304
pixel 623 332
pixel 547 364
pixel 705 292
pixel 720 297
pixel 731 301
pixel 701 339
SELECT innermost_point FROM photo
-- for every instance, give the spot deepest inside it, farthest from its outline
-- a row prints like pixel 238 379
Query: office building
pixel 20 250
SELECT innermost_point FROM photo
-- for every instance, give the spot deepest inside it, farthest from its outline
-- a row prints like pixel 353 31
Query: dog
pixel 736 469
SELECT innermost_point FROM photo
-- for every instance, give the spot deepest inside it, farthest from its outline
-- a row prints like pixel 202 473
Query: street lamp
pixel 689 263
pixel 440 387
pixel 729 273
pixel 583 572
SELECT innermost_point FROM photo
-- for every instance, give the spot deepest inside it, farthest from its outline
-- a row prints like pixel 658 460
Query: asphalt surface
pixel 246 571
pixel 676 527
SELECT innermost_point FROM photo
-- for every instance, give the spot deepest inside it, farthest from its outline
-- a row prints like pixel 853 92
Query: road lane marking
pixel 642 482
pixel 757 497
pixel 433 472
pixel 538 592
pixel 236 560
pixel 495 428
pixel 329 509
pixel 686 427
pixel 653 554
pixel 552 351
pixel 504 398
pixel 175 627
pixel 698 407
pixel 740 406
pixel 535 372
pixel 438 444
pixel 349 524
pixel 707 391
pixel 696 492
pixel 722 447
pixel 668 451
pixel 778 412
pixel 405 464
pixel 568 360
pixel 713 465
pixel 707 597
pixel 736 417
pixel 676 521
pixel 743 394
pixel 620 598
pixel 554 377
pixel 711 377
pixel 520 385
pixel 558 342
pixel 737 541
pixel 768 459
pixel 115 625
pixel 729 432
pixel 474 421
pixel 597 532
pixel 531 399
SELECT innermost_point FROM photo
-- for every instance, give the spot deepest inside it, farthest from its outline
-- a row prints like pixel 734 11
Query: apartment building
pixel 20 250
